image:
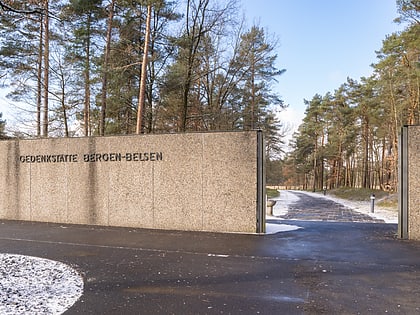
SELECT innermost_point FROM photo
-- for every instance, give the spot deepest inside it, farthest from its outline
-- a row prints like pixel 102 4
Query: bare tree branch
pixel 6 7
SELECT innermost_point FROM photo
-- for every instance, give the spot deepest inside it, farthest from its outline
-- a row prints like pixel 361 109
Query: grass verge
pixel 272 193
pixel 382 198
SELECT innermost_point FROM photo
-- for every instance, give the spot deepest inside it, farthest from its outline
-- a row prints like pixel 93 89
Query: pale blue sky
pixel 322 42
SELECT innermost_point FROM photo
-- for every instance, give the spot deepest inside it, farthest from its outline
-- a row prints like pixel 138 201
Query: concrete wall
pixel 412 182
pixel 200 181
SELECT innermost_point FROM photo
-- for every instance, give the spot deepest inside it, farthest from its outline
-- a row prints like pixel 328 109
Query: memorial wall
pixel 192 181
pixel 409 184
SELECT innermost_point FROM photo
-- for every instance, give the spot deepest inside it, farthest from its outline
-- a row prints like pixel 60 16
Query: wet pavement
pixel 320 209
pixel 322 268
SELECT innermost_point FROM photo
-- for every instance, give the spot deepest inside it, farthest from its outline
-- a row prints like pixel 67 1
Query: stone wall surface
pixel 413 182
pixel 197 181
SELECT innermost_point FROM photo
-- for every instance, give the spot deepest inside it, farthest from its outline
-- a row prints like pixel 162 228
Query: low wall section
pixel 409 183
pixel 201 182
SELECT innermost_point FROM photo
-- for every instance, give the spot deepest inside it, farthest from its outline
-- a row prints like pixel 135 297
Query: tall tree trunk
pixel 86 110
pixel 63 102
pixel 253 105
pixel 142 90
pixel 46 69
pixel 150 112
pixel 315 165
pixel 65 119
pixel 105 68
pixel 195 34
pixel 322 164
pixel 39 78
pixel 365 178
pixel 339 166
pixel 129 125
pixel 394 137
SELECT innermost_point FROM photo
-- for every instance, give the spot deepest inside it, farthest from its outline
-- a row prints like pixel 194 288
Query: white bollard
pixel 372 203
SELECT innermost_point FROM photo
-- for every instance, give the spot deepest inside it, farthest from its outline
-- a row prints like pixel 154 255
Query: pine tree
pixel 84 16
pixel 25 55
pixel 256 67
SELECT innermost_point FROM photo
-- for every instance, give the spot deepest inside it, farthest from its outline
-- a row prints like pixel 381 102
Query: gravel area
pixel 32 285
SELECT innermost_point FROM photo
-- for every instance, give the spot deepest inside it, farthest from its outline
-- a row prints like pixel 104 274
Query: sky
pixel 321 43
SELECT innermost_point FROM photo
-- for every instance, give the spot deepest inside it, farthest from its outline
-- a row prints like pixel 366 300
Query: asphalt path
pixel 326 267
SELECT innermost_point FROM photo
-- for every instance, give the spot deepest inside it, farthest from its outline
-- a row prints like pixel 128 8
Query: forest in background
pixel 109 67
pixel 349 137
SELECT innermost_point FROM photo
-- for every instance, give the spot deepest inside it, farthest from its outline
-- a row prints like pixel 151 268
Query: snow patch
pixel 272 228
pixel 280 208
pixel 32 285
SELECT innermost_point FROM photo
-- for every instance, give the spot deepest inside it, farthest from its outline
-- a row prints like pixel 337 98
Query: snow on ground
pixel 32 285
pixel 272 228
pixel 388 215
pixel 287 197
pixel 281 208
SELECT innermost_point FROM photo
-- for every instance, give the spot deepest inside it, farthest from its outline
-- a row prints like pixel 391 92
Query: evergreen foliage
pixel 350 138
pixel 80 70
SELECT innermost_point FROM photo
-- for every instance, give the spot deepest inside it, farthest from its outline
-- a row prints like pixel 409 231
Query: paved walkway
pixel 322 268
pixel 309 207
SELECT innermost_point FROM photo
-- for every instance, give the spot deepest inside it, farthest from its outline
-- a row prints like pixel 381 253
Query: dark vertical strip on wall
pixel 92 193
pixel 261 196
pixel 12 179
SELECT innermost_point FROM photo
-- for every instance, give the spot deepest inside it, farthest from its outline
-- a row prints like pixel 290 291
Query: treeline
pixel 98 67
pixel 349 138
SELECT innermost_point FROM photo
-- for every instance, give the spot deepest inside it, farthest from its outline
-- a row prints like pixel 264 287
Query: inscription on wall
pixel 93 157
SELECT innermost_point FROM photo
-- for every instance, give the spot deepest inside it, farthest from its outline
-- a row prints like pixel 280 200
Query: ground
pixel 323 267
